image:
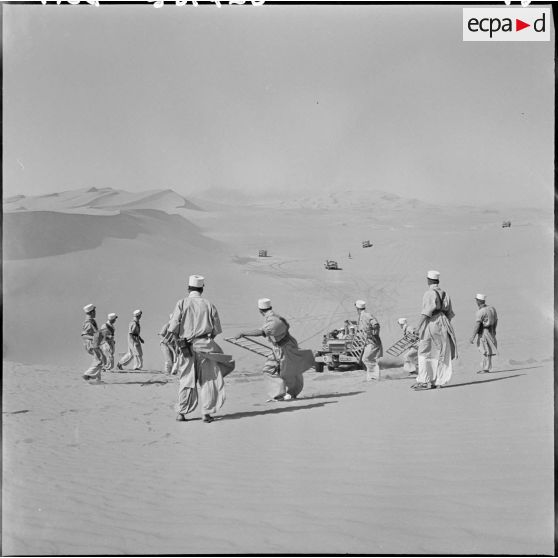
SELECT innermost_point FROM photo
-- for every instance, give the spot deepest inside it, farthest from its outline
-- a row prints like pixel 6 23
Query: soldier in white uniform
pixel 108 342
pixel 484 332
pixel 437 344
pixel 91 340
pixel 201 363
pixel 410 357
pixel 135 341
pixel 287 363
pixel 373 349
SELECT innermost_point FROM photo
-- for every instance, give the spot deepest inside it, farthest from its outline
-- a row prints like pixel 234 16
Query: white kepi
pixel 196 281
pixel 433 274
pixel 360 304
pixel 264 303
pixel 89 308
pixel 481 297
pixel 137 312
pixel 112 316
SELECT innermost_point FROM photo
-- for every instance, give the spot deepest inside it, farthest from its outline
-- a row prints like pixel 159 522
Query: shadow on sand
pixel 512 369
pixel 483 381
pixel 286 409
pixel 390 377
pixel 140 383
pixel 329 395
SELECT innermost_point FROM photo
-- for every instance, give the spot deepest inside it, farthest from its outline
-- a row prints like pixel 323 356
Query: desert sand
pixel 350 467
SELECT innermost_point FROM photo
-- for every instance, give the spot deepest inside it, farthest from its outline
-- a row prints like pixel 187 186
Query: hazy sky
pixel 279 98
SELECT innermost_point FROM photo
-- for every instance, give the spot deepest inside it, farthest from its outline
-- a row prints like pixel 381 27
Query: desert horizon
pixel 86 235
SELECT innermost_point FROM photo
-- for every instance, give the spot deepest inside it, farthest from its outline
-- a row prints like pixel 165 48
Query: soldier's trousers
pixel 486 363
pixel 94 371
pixel 108 352
pixel 169 357
pixel 370 360
pixel 135 352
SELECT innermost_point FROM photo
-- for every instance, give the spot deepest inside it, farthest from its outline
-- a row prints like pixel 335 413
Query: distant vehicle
pixel 340 347
pixel 331 264
pixel 366 244
pixel 262 254
pixel 506 224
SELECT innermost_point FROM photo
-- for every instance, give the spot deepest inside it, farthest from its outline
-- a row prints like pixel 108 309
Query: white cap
pixel 433 274
pixel 402 321
pixel 264 303
pixel 112 316
pixel 361 304
pixel 481 297
pixel 137 312
pixel 195 281
pixel 89 308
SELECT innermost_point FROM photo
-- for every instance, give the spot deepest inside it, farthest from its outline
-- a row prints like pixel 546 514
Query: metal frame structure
pixel 252 345
pixel 408 341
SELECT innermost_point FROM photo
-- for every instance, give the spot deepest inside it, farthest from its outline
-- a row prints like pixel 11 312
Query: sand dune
pixel 40 234
pixel 352 466
pixel 100 199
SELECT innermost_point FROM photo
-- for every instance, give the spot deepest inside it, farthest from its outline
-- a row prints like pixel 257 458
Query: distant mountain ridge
pixel 349 199
pixel 379 202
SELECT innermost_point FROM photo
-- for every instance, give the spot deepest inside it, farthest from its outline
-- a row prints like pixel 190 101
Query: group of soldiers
pixel 190 351
pixel 431 360
pixel 100 343
pixel 188 343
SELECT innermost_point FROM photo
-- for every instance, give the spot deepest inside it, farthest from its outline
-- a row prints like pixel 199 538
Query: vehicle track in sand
pixel 382 295
pixel 343 286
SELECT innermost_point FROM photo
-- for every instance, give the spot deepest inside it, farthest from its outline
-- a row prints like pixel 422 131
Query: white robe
pixel 437 344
